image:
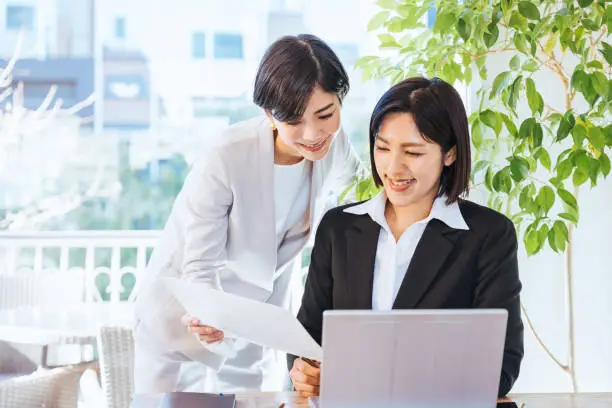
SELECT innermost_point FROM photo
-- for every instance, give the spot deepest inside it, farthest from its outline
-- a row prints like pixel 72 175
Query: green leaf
pixel 464 29
pixel 546 198
pixel 378 20
pixel 529 10
pixel 509 125
pixel 519 168
pixel 500 82
pixel 568 198
pixel 387 4
pixel 492 120
pixel 532 243
pixel 536 103
pixel 364 61
pixel 566 38
pixel 531 130
pixel 569 217
pixel 600 83
pixel 388 41
pixel 596 137
pixel 580 79
pixel 595 64
pixel 526 201
pixel 502 182
pixel 565 126
pixel 444 22
pixel 580 177
pixel 526 128
pixel 491 35
pixel 518 22
pixel 396 25
pixel 552 239
pixel 479 166
pixel 606 51
pixel 581 160
pixel 564 169
pixel 531 66
pixel 604 164
pixel 550 44
pixel 590 24
pixel 544 158
pixel 408 12
pixel 515 63
pixel 538 136
pixel 579 133
pixel 520 42
pixel 489 179
pixel 514 92
pixel 542 235
pixel 594 172
pixel 477 133
pixel 561 234
pixel 585 3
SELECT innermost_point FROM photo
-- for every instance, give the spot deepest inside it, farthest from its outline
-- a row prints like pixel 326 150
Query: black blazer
pixel 454 269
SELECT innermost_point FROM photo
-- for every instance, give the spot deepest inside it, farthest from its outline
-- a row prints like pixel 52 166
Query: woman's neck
pixel 284 154
pixel 400 218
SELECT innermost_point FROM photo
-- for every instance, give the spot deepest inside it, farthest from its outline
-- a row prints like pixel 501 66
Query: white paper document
pixel 256 322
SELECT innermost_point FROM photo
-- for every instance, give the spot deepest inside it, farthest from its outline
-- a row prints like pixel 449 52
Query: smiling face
pixel 310 136
pixel 408 165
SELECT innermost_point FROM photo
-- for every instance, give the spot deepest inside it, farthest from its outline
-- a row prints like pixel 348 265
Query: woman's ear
pixel 271 119
pixel 450 156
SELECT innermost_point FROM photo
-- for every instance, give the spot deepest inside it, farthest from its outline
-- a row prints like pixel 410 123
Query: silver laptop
pixel 412 358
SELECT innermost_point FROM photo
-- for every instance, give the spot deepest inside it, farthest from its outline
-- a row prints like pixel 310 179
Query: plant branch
pixel 564 367
pixel 570 301
pixel 497 51
pixel 551 109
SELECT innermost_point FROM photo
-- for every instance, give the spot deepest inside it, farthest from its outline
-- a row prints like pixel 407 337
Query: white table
pixel 74 324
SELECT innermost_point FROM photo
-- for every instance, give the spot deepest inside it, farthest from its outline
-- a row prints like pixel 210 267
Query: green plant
pixel 532 150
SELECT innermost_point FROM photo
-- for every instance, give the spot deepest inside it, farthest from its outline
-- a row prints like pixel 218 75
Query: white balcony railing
pixel 101 265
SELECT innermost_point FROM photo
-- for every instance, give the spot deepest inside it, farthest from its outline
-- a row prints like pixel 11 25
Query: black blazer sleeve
pixel 498 286
pixel 319 284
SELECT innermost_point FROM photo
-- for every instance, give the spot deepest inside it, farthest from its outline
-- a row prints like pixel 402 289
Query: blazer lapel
pixel 433 249
pixel 362 241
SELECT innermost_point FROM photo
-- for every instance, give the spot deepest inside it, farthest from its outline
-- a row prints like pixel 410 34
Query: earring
pixel 273 126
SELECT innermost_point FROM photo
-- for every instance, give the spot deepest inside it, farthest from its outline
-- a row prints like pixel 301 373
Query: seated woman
pixel 417 244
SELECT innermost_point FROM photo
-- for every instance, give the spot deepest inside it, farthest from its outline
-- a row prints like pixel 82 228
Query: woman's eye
pixel 381 148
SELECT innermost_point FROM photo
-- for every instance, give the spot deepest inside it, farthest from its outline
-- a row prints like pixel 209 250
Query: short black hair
pixel 440 116
pixel 290 70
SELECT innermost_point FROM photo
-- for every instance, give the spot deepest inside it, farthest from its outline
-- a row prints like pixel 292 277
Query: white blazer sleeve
pixel 207 201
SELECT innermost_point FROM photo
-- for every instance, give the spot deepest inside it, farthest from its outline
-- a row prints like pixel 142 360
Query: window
pixel 19 17
pixel 198 45
pixel 120 27
pixel 228 46
pixel 431 17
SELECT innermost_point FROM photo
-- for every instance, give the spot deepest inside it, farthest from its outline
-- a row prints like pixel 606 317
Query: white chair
pixel 116 354
pixel 44 288
pixel 47 288
pixel 57 388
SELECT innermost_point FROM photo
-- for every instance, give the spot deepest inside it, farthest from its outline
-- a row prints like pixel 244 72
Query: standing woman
pixel 243 215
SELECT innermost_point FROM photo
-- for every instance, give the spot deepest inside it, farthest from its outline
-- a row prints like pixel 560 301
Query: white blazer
pixel 221 230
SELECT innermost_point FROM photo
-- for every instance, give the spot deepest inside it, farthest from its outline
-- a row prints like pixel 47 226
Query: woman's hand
pixel 306 378
pixel 205 333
